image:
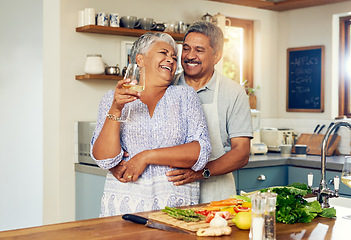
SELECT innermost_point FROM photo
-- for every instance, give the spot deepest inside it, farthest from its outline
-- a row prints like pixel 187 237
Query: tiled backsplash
pixel 308 125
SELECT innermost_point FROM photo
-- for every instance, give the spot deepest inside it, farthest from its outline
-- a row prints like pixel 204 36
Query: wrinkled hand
pixel 129 171
pixel 183 176
pixel 123 96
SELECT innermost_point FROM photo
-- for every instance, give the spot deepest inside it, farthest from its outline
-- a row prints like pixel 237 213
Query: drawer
pixel 257 178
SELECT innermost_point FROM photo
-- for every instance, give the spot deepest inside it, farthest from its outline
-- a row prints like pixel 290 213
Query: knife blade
pixel 335 135
pixel 314 132
pixel 151 224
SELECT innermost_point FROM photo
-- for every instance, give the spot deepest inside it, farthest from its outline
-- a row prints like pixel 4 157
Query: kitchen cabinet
pixel 115 31
pixel 299 174
pixel 252 179
pixel 89 190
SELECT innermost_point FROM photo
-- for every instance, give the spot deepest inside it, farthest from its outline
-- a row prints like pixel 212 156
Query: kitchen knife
pixel 330 125
pixel 151 224
pixel 315 130
pixel 335 135
pixel 321 129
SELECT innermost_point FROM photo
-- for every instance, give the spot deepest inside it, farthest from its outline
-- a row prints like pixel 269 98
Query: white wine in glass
pixel 137 83
pixel 346 176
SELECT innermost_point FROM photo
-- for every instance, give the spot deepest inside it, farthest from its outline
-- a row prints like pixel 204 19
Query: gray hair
pixel 143 43
pixel 212 31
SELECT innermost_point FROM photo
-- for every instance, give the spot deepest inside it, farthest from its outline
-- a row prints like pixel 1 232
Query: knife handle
pixel 336 129
pixel 315 130
pixel 320 129
pixel 135 219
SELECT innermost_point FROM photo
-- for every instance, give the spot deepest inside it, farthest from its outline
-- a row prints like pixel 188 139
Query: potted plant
pixel 250 91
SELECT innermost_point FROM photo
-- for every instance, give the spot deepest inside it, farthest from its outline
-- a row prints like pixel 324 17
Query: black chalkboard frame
pixel 320 80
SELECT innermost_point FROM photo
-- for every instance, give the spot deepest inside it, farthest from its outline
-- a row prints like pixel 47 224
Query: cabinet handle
pixel 261 177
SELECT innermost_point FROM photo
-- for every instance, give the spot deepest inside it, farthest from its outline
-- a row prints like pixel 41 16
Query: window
pixel 238 51
pixel 345 67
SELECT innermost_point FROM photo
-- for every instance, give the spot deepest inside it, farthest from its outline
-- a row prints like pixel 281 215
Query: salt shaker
pixel 269 216
pixel 258 202
pixel 94 64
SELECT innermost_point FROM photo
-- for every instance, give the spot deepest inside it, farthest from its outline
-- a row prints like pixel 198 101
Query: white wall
pixel 21 104
pixel 300 28
pixel 66 100
pixel 310 27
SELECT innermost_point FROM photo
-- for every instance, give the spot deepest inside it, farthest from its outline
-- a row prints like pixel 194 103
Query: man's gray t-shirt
pixel 233 108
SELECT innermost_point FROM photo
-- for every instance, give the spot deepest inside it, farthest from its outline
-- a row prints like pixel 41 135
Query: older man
pixel 227 111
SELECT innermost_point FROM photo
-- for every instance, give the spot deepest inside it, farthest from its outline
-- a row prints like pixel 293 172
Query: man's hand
pixel 183 176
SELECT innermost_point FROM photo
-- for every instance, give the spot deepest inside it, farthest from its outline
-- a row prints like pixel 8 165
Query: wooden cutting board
pixel 189 226
pixel 314 143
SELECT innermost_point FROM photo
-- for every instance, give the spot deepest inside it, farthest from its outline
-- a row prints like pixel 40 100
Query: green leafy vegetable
pixel 328 212
pixel 291 207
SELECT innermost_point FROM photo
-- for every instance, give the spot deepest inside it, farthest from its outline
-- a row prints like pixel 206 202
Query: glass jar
pixel 94 64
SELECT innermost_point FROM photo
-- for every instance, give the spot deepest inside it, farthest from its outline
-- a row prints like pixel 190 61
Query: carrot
pixel 225 202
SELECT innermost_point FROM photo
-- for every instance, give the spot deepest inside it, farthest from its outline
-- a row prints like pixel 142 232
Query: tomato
pixel 241 209
pixel 210 216
pixel 224 214
pixel 203 212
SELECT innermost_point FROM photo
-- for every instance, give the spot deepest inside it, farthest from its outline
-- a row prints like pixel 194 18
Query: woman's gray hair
pixel 143 43
pixel 212 31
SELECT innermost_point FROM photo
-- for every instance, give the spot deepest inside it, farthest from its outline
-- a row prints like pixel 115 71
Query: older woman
pixel 168 131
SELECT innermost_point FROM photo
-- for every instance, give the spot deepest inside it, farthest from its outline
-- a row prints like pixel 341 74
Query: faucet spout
pixel 324 193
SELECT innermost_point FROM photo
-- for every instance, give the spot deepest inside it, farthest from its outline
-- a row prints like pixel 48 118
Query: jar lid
pixel 94 55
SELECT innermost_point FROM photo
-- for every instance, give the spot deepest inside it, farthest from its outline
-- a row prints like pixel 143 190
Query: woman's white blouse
pixel 177 119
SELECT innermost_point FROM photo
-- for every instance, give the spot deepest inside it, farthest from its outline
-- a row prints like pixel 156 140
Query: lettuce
pixel 291 207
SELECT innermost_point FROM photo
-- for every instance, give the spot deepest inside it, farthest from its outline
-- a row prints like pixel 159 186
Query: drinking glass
pixel 137 83
pixel 346 176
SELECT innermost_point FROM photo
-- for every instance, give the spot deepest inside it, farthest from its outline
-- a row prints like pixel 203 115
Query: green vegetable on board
pixel 187 215
pixel 291 207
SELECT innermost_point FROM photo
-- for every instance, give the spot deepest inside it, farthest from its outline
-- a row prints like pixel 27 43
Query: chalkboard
pixel 305 79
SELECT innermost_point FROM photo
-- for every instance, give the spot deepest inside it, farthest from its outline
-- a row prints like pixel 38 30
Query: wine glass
pixel 137 83
pixel 346 176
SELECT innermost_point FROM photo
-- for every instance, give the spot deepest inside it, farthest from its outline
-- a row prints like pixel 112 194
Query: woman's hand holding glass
pixel 128 90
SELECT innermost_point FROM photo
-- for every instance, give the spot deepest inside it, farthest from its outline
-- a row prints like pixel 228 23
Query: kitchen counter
pixel 117 228
pixel 334 163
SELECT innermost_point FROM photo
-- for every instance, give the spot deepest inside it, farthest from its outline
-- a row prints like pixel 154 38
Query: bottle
pixel 94 64
pixel 269 216
pixel 258 202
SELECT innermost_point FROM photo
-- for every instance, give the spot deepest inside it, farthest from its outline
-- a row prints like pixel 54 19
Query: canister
pixel 94 64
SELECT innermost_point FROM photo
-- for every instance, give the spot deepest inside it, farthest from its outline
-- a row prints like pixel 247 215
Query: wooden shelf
pixel 98 76
pixel 121 31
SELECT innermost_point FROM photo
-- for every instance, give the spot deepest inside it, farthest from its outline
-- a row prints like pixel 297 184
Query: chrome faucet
pixel 323 192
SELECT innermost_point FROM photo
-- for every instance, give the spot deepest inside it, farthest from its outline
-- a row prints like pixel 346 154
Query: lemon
pixel 242 220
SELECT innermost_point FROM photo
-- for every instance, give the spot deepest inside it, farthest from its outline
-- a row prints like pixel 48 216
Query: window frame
pixel 248 58
pixel 344 81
